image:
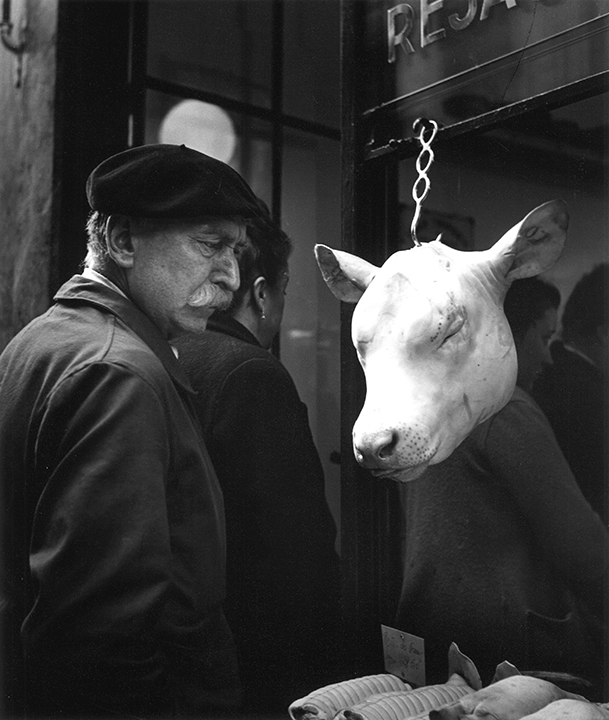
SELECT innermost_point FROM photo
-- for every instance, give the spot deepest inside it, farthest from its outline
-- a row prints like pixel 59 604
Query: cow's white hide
pixel 430 333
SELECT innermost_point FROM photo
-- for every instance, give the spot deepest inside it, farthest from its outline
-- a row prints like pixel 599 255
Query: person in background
pixel 283 579
pixel 503 554
pixel 572 391
pixel 113 543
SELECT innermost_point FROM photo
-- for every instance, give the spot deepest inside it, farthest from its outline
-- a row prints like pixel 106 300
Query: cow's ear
pixel 461 665
pixel 505 670
pixel 346 275
pixel 535 244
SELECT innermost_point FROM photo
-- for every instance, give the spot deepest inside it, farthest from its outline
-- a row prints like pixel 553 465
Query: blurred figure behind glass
pixel 573 391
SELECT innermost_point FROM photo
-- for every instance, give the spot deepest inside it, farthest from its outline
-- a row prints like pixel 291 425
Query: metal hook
pixel 422 125
pixel 8 42
pixel 6 29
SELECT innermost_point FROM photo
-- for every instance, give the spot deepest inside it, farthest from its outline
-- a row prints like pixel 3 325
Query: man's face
pixel 184 270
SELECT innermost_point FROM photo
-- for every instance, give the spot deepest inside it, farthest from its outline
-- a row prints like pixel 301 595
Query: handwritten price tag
pixel 404 655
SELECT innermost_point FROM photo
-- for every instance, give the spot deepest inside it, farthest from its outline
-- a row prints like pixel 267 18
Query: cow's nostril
pixel 375 450
pixel 387 446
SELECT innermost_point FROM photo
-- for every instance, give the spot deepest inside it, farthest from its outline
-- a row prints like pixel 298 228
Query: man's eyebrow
pixel 219 235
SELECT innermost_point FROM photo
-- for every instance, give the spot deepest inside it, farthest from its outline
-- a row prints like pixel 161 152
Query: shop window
pixel 482 185
pixel 311 86
pixel 456 60
pixel 311 326
pixel 217 46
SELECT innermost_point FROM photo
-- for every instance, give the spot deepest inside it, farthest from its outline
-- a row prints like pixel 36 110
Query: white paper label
pixel 404 655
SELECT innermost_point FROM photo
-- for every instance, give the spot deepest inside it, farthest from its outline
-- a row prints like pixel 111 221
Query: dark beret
pixel 168 181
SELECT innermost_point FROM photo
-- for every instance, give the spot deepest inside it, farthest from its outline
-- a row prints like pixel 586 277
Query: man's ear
pixel 118 240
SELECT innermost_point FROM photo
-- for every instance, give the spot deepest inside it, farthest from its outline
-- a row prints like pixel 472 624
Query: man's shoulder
pixel 69 340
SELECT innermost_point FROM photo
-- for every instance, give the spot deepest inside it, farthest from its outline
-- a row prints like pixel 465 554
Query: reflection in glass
pixel 201 126
pixel 310 333
pixel 312 60
pixel 451 66
pixel 218 46
pixel 484 184
pixel 249 145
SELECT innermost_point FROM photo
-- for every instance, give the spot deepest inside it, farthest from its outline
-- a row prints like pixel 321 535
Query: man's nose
pixel 547 356
pixel 226 269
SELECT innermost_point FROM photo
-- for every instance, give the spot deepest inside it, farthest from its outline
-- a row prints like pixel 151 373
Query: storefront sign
pixel 404 13
pixel 451 60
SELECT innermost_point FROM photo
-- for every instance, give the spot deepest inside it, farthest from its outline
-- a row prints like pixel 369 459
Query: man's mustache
pixel 210 295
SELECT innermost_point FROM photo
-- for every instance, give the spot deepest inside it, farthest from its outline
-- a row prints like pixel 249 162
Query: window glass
pixel 312 60
pixel 310 333
pixel 239 140
pixel 482 186
pixel 451 61
pixel 218 46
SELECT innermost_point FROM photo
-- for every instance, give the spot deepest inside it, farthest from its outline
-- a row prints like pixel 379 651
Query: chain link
pixel 422 184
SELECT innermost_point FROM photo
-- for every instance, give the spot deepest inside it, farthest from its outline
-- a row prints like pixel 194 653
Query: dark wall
pixel 91 114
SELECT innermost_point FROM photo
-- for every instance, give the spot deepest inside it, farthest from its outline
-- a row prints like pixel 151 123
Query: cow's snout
pixel 395 451
pixel 375 450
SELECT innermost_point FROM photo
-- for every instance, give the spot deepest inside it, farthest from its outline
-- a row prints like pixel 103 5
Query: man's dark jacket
pixel 113 526
pixel 573 396
pixel 282 570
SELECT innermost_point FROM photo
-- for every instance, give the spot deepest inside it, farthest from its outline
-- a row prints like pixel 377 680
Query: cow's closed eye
pixel 453 329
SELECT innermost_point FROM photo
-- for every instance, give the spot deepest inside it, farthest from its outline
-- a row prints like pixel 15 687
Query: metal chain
pixel 419 194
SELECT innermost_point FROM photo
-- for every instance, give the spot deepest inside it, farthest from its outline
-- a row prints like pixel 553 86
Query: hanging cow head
pixel 430 333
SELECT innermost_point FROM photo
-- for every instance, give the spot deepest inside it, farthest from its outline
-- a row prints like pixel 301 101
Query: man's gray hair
pixel 97 252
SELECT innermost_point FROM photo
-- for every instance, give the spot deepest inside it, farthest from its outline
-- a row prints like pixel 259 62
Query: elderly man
pixel 113 528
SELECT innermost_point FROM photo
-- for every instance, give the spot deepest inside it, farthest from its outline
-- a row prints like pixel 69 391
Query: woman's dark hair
pixel 526 302
pixel 586 307
pixel 266 253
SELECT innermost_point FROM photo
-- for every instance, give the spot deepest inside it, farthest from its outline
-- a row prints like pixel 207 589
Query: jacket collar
pixel 83 290
pixel 224 323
